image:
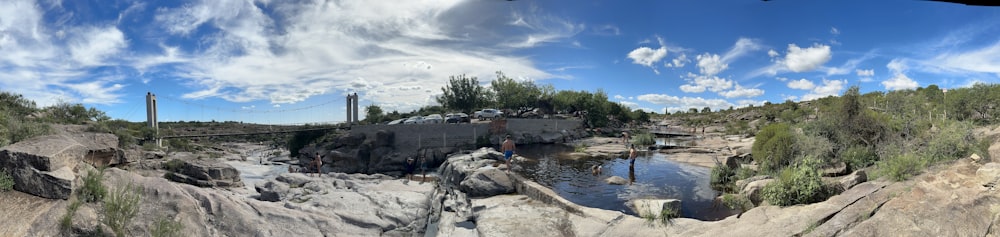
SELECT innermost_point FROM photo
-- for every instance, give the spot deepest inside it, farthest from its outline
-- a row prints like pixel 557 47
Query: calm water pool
pixel 653 177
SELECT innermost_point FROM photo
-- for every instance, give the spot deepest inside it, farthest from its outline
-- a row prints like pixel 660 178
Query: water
pixel 653 177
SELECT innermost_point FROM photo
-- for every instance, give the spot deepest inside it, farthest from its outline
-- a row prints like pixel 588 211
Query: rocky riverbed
pixel 473 197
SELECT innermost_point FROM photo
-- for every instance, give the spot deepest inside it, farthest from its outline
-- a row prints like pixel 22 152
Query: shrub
pixel 165 227
pixel 744 173
pixel 901 167
pixel 954 141
pixel 800 184
pixel 814 146
pixel 173 165
pixel 6 181
pixel 858 157
pixel 644 139
pixel 737 202
pixel 120 207
pixel 66 222
pixel 774 147
pixel 722 177
pixel 93 189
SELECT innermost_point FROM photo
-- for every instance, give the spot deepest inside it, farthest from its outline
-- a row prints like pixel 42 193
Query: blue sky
pixel 283 62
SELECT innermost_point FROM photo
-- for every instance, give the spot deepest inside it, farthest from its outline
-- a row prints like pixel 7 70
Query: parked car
pixel 488 114
pixel 457 118
pixel 394 122
pixel 414 120
pixel 434 118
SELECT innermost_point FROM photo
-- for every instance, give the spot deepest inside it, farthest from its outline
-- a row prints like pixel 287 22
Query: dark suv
pixel 457 118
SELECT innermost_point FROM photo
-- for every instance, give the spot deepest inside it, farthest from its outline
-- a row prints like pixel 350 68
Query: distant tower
pixel 352 109
pixel 151 119
pixel 356 111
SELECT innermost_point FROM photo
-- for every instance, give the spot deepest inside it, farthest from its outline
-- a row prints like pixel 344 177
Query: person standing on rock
pixel 318 162
pixel 508 151
pixel 631 156
pixel 410 167
pixel 626 138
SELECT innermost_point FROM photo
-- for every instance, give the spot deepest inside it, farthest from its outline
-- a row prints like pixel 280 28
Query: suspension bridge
pixel 152 117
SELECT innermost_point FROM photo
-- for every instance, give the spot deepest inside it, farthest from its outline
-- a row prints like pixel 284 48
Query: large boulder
pixel 384 138
pixel 487 181
pixel 205 173
pixel 740 184
pixel 989 174
pixel 272 191
pixel 753 190
pixel 852 179
pixel 656 208
pixel 834 170
pixel 44 166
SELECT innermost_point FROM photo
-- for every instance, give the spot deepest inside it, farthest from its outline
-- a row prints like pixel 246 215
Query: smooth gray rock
pixel 487 181
pixel 272 191
pixel 44 166
pixel 988 174
pixel 740 184
pixel 838 169
pixel 206 173
pixel 852 179
pixel 753 190
pixel 655 207
pixel 616 180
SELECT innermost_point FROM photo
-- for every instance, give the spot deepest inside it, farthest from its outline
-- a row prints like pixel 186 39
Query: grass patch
pixel 6 181
pixel 166 227
pixel 723 178
pixel 173 165
pixel 901 167
pixel 93 189
pixel 644 139
pixel 737 202
pixel 120 207
pixel 580 148
pixel 66 222
pixel 800 184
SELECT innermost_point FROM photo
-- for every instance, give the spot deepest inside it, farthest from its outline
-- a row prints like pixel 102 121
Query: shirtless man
pixel 318 162
pixel 508 151
pixel 631 156
pixel 626 138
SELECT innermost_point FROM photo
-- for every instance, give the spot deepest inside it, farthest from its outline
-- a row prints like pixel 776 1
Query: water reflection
pixel 653 176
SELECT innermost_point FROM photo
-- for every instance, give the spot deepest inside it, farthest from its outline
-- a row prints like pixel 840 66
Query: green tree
pixel 373 114
pixel 463 93
pixel 774 147
pixel 511 94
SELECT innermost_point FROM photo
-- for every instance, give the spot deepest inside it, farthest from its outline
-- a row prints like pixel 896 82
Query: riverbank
pixel 705 150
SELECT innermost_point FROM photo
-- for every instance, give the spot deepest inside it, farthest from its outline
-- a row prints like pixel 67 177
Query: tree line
pixel 466 94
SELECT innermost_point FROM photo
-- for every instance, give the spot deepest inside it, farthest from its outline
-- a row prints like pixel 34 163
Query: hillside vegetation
pixel 895 135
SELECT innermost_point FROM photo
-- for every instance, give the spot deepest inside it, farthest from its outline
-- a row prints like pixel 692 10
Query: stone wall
pixel 413 136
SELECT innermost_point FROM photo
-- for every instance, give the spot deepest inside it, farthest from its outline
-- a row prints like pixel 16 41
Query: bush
pixel 814 146
pixel 644 139
pixel 954 141
pixel 66 222
pixel 858 157
pixel 737 202
pixel 722 178
pixel 120 207
pixel 774 147
pixel 93 189
pixel 6 181
pixel 165 227
pixel 901 167
pixel 173 165
pixel 800 184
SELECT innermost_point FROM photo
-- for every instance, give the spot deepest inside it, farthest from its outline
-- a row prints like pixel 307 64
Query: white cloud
pixel 679 61
pixel 700 83
pixel 609 30
pixel 981 60
pixel 619 97
pixel 801 84
pixel 807 59
pixel 305 49
pixel 647 56
pixel 834 31
pixel 52 64
pixel 828 88
pixel 772 53
pixel 741 91
pixel 745 103
pixel 866 73
pixel 781 79
pixel 899 82
pixel 710 64
pixel 674 103
pixel 629 104
pixel 740 48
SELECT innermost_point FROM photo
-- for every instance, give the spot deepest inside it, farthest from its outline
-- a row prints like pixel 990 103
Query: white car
pixel 394 122
pixel 414 120
pixel 434 118
pixel 488 114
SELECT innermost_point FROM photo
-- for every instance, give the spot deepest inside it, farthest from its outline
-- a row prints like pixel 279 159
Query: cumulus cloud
pixel 700 83
pixel 679 61
pixel 674 103
pixel 647 56
pixel 806 59
pixel 834 31
pixel 50 64
pixel 772 53
pixel 828 88
pixel 899 80
pixel 741 91
pixel 710 64
pixel 866 73
pixel 801 84
pixel 301 50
